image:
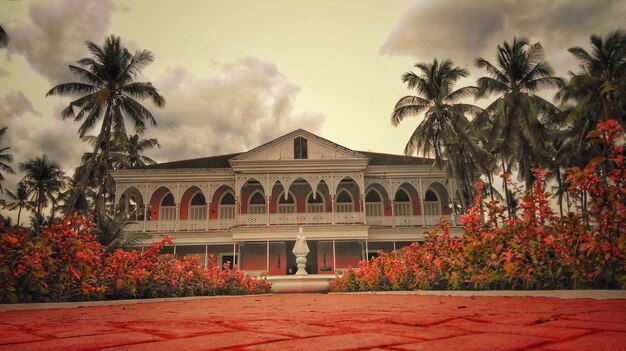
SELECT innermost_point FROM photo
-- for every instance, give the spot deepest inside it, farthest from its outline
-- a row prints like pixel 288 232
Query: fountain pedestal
pixel 301 249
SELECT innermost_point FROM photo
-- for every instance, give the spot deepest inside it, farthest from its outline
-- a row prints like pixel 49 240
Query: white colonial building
pixel 247 207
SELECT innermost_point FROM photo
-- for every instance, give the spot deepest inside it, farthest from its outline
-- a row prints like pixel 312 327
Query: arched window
pixel 402 204
pixel 316 205
pixel 256 204
pixel 344 202
pixel 167 210
pixel 432 207
pixel 373 204
pixel 197 207
pixel 287 205
pixel 227 206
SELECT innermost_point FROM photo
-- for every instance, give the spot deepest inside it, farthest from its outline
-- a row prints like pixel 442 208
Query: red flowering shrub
pixel 535 250
pixel 66 263
pixel 152 274
pixel 62 264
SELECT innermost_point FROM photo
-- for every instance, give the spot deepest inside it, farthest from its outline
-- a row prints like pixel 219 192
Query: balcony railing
pixel 279 219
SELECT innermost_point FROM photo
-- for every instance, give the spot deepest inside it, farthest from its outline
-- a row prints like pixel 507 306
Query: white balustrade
pixel 253 220
pixel 380 221
pixel 133 227
pixel 192 225
pixel 348 217
pixel 322 218
pixel 408 221
pixel 160 226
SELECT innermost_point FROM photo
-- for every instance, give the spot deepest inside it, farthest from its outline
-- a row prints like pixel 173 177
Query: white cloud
pixel 56 34
pixel 248 102
pixel 465 30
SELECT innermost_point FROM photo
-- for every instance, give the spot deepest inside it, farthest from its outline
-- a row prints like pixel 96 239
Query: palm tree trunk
pixel 560 183
pixel 490 180
pixel 506 187
pixel 82 184
pixel 19 213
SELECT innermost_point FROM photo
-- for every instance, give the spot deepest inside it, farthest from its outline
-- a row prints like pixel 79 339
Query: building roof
pixel 221 161
pixel 224 161
pixel 381 159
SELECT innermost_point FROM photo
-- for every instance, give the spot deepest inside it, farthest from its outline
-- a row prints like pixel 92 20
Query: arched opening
pixel 287 205
pixel 374 204
pixel 226 208
pixel 315 205
pixel 344 202
pixel 131 204
pixel 402 204
pixel 432 205
pixel 256 203
pixel 167 208
pixel 197 207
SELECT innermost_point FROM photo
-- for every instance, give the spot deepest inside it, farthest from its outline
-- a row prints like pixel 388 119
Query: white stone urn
pixel 301 249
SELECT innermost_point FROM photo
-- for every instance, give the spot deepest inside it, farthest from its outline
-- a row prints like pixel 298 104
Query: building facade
pixel 246 208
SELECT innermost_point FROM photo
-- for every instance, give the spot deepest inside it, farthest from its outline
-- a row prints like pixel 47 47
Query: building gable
pixel 299 144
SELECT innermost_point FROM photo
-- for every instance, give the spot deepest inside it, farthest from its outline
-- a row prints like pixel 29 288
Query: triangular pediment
pixel 282 149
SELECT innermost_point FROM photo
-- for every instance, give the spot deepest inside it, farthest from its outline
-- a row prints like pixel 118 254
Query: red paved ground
pixel 325 322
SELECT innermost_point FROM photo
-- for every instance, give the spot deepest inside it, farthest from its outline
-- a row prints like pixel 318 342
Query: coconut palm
pixel 514 120
pixel 443 131
pixel 108 94
pixel 18 201
pixel 5 159
pixel 4 38
pixel 127 151
pixel 43 180
pixel 596 93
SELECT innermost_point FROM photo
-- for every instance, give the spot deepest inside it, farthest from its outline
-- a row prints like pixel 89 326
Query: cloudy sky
pixel 236 74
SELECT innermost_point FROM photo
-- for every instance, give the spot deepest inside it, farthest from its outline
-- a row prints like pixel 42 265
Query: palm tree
pixel 44 181
pixel 514 120
pixel 5 159
pixel 127 151
pixel 4 38
pixel 596 93
pixel 108 95
pixel 443 131
pixel 18 201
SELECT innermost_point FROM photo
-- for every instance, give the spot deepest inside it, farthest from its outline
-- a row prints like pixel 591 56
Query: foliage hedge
pixel 67 263
pixel 536 249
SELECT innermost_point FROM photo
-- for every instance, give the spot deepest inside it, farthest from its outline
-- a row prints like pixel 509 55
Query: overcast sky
pixel 236 74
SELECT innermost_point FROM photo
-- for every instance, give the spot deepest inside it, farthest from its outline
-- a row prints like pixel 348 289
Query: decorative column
pixel 237 210
pixel 334 258
pixel 451 197
pixel 393 214
pixel 145 216
pixel 363 208
pixel 422 203
pixel 267 256
pixel 421 200
pixel 332 205
pixel 177 217
pixel 208 215
pixel 267 211
pixel 301 249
